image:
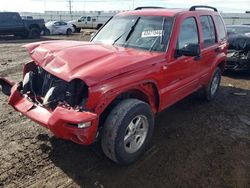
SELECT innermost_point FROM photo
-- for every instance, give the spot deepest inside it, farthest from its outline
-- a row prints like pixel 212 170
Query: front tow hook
pixel 6 86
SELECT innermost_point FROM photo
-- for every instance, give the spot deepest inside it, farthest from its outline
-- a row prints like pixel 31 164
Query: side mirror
pixel 190 50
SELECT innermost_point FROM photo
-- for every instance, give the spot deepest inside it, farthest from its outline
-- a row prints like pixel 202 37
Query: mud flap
pixel 6 86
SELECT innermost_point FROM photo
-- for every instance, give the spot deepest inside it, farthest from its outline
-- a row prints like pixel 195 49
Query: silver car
pixel 58 27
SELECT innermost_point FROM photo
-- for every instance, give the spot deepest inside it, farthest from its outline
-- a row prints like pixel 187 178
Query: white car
pixel 58 27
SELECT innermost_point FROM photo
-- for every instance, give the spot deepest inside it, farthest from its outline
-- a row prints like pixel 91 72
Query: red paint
pixel 111 70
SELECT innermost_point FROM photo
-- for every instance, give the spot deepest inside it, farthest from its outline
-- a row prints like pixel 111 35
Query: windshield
pixel 150 33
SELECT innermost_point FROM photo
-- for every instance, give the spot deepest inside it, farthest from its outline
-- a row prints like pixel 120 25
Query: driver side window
pixel 188 33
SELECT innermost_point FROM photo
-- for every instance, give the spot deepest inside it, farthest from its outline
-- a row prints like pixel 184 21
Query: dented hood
pixel 90 62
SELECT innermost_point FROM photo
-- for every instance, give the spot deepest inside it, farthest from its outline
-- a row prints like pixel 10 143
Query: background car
pixel 11 23
pixel 238 29
pixel 58 27
pixel 238 57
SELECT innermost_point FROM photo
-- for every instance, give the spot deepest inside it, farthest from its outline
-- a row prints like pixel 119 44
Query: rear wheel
pixel 77 30
pixel 46 32
pixel 211 90
pixel 127 131
pixel 69 32
pixel 35 33
pixel 99 26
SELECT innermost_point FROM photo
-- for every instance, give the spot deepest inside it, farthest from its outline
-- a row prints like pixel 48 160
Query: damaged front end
pixel 238 57
pixel 49 91
pixel 54 103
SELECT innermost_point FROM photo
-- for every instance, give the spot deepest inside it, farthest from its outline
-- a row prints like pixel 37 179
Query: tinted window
pixel 188 33
pixel 82 18
pixel 57 23
pixel 63 23
pixel 221 28
pixel 208 31
pixel 88 19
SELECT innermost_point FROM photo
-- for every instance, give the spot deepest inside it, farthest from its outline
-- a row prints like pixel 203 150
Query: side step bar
pixel 6 86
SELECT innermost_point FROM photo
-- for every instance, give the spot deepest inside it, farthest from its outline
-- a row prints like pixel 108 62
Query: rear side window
pixel 208 31
pixel 188 33
pixel 221 28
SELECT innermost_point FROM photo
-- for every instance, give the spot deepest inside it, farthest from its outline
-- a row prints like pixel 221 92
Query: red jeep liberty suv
pixel 139 63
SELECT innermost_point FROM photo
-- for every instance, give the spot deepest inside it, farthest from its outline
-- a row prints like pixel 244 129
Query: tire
pixel 35 33
pixel 121 141
pixel 77 30
pixel 69 32
pixel 46 32
pixel 211 90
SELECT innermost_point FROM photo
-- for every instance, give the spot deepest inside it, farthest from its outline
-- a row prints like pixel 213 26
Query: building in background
pixel 230 18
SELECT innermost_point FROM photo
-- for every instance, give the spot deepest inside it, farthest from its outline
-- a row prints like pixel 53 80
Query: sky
pixel 86 5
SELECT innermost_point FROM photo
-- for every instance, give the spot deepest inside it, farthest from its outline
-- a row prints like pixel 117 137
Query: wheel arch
pixel 146 92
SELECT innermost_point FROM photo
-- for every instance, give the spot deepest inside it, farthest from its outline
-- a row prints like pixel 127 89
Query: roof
pixel 163 12
pixel 153 12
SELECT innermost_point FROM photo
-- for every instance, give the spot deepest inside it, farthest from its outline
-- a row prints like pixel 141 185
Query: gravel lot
pixel 195 143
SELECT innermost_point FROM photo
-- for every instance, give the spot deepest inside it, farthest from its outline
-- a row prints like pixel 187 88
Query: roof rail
pixel 140 8
pixel 193 8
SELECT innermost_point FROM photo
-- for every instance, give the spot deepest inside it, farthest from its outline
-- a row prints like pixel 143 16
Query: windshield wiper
pixel 132 28
pixel 130 32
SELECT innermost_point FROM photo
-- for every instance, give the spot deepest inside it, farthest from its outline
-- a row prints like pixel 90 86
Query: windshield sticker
pixel 152 33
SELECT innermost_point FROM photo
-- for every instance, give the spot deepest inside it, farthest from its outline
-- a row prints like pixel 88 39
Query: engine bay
pixel 49 91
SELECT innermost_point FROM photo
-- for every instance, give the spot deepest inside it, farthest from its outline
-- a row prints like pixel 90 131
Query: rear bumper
pixel 60 121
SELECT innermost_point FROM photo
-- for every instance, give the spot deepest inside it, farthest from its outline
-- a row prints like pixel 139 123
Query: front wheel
pixel 127 131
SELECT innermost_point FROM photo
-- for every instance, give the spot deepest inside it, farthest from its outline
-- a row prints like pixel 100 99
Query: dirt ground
pixel 195 143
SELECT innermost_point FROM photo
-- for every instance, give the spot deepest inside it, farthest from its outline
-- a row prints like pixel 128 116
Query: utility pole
pixel 70 6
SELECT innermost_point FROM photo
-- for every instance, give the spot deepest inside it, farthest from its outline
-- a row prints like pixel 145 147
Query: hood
pixel 239 42
pixel 88 61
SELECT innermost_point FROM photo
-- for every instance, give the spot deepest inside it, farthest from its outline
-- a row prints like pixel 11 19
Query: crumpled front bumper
pixel 60 121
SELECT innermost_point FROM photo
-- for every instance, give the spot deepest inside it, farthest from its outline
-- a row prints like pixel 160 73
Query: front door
pixel 181 74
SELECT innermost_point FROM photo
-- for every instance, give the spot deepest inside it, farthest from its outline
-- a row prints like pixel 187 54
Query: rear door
pixel 88 22
pixel 209 47
pixel 56 28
